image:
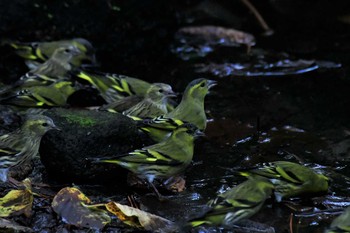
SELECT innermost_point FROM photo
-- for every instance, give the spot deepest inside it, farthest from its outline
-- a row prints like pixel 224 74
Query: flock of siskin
pixel 56 73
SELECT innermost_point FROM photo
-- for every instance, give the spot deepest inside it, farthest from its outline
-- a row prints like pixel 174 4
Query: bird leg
pixel 14 182
pixel 159 196
pixel 133 202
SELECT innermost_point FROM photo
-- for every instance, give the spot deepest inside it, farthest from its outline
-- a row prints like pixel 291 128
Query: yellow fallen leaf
pixel 17 202
pixel 73 206
pixel 140 219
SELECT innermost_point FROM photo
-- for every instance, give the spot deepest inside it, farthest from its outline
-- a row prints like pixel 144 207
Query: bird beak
pixel 211 83
pixel 199 133
pixel 56 128
pixel 171 94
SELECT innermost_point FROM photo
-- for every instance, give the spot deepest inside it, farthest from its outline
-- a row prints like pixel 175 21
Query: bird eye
pixel 45 124
pixel 160 91
pixel 203 84
pixel 35 45
pixel 67 50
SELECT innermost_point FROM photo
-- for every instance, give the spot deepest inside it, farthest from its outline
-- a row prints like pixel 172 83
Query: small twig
pixel 262 22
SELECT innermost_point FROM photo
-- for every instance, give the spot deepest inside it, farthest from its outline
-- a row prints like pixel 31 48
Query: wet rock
pixel 9 119
pixel 87 134
pixel 9 226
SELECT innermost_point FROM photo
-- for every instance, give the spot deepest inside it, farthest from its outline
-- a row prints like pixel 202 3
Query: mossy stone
pixel 85 134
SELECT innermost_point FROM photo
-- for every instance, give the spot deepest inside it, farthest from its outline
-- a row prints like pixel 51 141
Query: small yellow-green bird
pixel 162 160
pixel 240 202
pixel 291 179
pixel 39 52
pixel 340 224
pixel 55 69
pixel 60 63
pixel 52 95
pixel 155 102
pixel 22 145
pixel 158 128
pixel 113 87
pixel 191 109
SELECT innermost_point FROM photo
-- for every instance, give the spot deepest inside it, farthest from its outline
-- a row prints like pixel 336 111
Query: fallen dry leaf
pixel 73 206
pixel 17 202
pixel 140 219
pixel 10 226
pixel 175 184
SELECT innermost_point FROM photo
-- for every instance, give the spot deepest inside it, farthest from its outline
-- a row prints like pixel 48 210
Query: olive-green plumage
pixel 22 144
pixel 340 224
pixel 158 128
pixel 155 102
pixel 161 160
pixel 52 95
pixel 191 109
pixel 291 179
pixel 39 52
pixel 55 69
pixel 113 87
pixel 60 63
pixel 240 202
pixel 122 104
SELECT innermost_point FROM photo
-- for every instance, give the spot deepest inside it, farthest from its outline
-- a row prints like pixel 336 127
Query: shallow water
pixel 286 100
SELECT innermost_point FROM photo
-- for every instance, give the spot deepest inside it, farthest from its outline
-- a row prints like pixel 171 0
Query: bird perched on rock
pixel 240 202
pixel 340 224
pixel 113 87
pixel 39 52
pixel 162 160
pixel 22 145
pixel 290 179
pixel 191 109
pixel 52 95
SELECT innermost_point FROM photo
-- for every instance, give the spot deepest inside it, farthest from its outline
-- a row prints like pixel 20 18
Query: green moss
pixel 81 120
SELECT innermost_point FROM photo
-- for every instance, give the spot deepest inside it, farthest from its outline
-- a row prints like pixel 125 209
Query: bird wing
pixel 32 79
pixel 8 156
pixel 149 156
pixel 122 104
pixel 24 97
pixel 274 171
pixel 7 151
pixel 161 123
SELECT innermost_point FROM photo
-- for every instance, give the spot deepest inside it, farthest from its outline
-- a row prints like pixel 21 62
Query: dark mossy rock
pixel 85 134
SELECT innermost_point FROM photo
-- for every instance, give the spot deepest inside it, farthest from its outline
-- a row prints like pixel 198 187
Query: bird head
pixel 88 51
pixel 38 124
pixel 187 130
pixel 69 54
pixel 160 91
pixel 66 53
pixel 199 88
